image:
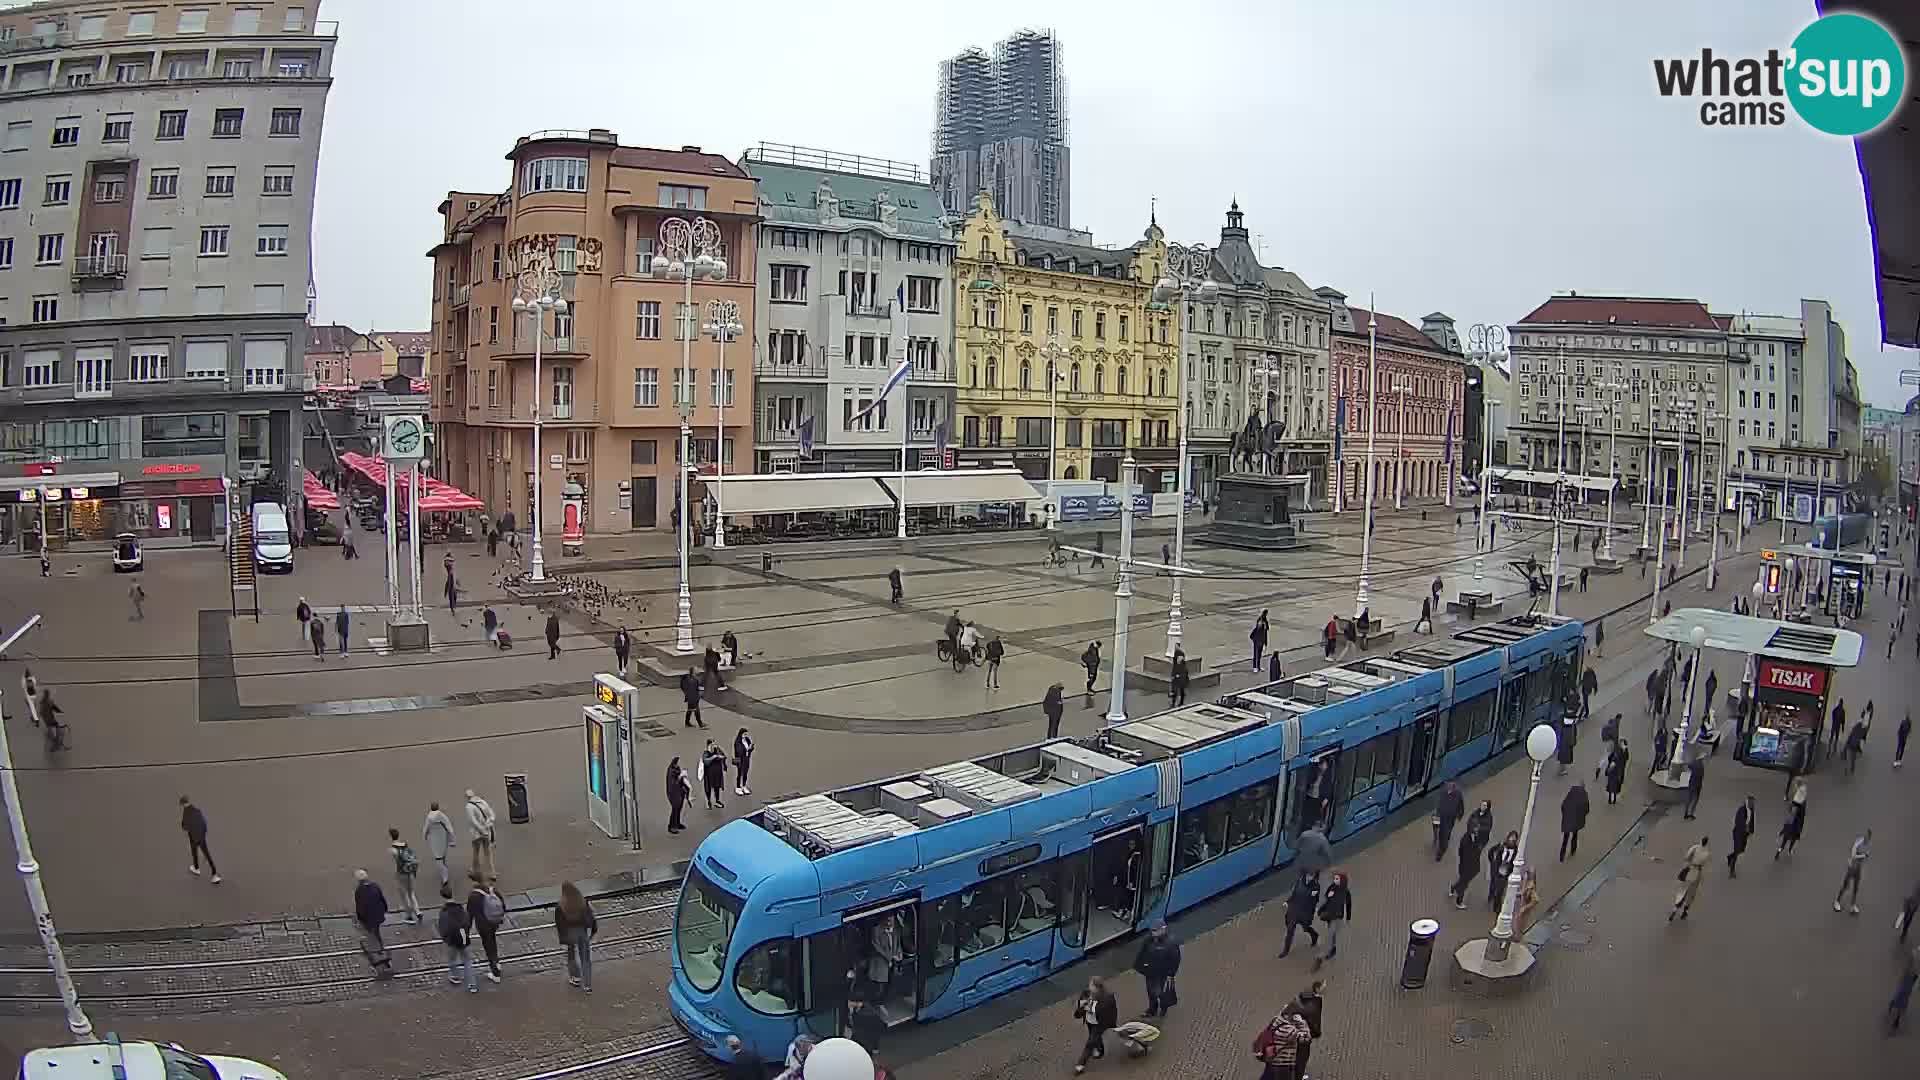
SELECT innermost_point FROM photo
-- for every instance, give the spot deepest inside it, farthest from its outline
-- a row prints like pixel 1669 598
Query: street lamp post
pixel 1373 417
pixel 1559 489
pixel 1678 761
pixel 77 1023
pixel 1541 743
pixel 689 250
pixel 1123 594
pixel 536 294
pixel 1054 353
pixel 1185 279
pixel 1646 522
pixel 723 325
pixel 1719 501
pixel 1660 551
pixel 1400 385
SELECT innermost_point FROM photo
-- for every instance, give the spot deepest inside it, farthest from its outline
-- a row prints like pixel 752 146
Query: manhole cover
pixel 1574 939
pixel 1471 1027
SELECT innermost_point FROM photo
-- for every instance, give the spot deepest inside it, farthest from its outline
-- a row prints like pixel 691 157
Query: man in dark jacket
pixel 711 661
pixel 1054 705
pixel 370 914
pixel 1312 1008
pixel 1302 905
pixel 1573 818
pixel 1696 780
pixel 690 691
pixel 1446 814
pixel 1177 680
pixel 553 637
pixel 1091 661
pixel 893 585
pixel 1158 962
pixel 1742 829
pixel 194 824
pixel 1473 841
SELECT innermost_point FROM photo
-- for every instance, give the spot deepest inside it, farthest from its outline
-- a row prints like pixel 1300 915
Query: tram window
pixel 938 919
pixel 1031 903
pixel 767 977
pixel 1073 899
pixel 1470 720
pixel 1252 815
pixel 983 918
pixel 705 924
pixel 1343 779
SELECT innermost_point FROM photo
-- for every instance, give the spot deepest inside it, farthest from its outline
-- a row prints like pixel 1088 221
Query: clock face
pixel 404 437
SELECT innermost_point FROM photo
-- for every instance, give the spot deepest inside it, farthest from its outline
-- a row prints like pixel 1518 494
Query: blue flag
pixel 806 437
pixel 1339 424
pixel 1447 447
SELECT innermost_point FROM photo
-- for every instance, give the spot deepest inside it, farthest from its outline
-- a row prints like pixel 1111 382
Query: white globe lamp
pixel 838 1059
pixel 1697 635
pixel 1542 742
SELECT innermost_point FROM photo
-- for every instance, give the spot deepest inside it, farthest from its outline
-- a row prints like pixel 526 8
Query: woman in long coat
pixel 1693 870
pixel 1616 770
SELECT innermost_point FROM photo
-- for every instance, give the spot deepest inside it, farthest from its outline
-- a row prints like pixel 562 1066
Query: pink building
pixel 1417 407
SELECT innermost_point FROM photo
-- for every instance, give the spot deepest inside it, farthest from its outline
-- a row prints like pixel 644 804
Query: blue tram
pixel 920 896
pixel 1837 531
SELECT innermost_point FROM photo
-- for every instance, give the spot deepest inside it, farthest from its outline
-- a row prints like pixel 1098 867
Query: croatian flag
pixel 901 369
pixel 806 437
pixel 1447 448
pixel 1339 424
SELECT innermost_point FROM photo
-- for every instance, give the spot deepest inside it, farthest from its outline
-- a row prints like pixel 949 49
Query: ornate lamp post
pixel 689 250
pixel 1485 339
pixel 1541 743
pixel 1053 352
pixel 1373 424
pixel 1186 281
pixel 537 293
pixel 1123 594
pixel 723 325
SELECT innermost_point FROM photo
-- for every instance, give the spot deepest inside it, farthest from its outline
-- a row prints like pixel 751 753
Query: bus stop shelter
pixel 1789 679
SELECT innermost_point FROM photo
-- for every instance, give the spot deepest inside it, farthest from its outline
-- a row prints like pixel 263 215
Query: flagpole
pixel 906 425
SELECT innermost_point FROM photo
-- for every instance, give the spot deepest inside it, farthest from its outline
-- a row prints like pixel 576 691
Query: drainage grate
pixel 1468 1028
pixel 1569 938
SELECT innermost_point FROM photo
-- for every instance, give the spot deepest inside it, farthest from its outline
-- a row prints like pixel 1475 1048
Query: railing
pixel 111 265
pixel 460 294
pixel 870 309
pixel 327 28
pixel 925 374
pixel 812 368
pixel 572 342
pixel 36 43
pixel 579 412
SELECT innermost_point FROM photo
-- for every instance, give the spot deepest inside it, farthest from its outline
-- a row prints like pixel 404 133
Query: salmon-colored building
pixel 592 211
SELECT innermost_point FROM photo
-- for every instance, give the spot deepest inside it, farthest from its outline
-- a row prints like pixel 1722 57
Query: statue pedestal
pixel 1254 513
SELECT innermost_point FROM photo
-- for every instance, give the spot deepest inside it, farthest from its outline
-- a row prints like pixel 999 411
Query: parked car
pixel 272 540
pixel 114 1060
pixel 126 554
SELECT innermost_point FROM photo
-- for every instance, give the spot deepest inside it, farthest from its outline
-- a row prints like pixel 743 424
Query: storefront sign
pixel 1793 678
pixel 39 468
pixel 170 469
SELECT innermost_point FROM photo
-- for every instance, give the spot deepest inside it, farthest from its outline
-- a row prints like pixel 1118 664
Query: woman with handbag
pixel 1694 869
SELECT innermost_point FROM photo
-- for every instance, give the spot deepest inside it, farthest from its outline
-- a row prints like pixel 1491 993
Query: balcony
pixel 578 412
pixel 814 367
pixel 36 43
pixel 860 307
pixel 926 375
pixel 109 267
pixel 460 294
pixel 572 343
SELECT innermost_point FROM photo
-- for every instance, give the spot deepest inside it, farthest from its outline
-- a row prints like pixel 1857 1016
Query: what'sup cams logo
pixel 1844 75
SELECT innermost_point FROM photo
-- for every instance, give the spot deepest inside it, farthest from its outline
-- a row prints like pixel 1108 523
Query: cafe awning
pixel 963 487
pixel 799 493
pixel 316 493
pixel 1572 480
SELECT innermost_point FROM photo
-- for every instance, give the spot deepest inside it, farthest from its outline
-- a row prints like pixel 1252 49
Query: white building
pixel 1795 411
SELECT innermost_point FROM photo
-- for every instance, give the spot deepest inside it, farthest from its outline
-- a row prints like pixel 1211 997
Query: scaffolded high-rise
pixel 1002 128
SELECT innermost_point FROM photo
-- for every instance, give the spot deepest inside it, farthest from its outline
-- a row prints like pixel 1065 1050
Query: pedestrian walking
pixel 1054 705
pixel 1473 841
pixel 1336 907
pixel 1330 637
pixel 1855 745
pixel 490 625
pixel 406 868
pixel 1599 637
pixel 1158 961
pixel 1661 737
pixel 1500 860
pixel 1838 721
pixel 1696 781
pixel 319 631
pixel 453 926
pixel 493 543
pixel 480 823
pixel 302 613
pixel 1259 639
pixel 690 693
pixel 138 597
pixel 1312 1010
pixel 1796 820
pixel 1583 579
pixel 1900 739
pixel 1909 908
pixel 710 661
pixel 1166 556
pixel 730 648
pixel 1426 616
pixel 1743 826
pixel 1091 661
pixel 1099 1011
pixel 1177 678
pixel 996 652
pixel 742 761
pixel 1279 1044
pixel 1573 817
pixel 1903 991
pixel 893 585
pixel 1447 812
pixel 553 636
pixel 1312 854
pixel 1273 666
pixel 370 915
pixel 1303 903
pixel 194 824
pixel 1856 862
pixel 342 624
pixel 713 774
pixel 622 650
pixel 486 911
pixel 574 921
pixel 679 790
pixel 1693 870
pixel 1564 743
pixel 1617 759
pixel 437 833
pixel 452 591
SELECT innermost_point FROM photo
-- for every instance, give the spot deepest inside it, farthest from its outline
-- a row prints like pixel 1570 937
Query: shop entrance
pixel 200 518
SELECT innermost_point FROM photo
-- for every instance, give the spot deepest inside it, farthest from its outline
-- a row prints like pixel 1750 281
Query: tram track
pixel 298 978
pixel 663 1055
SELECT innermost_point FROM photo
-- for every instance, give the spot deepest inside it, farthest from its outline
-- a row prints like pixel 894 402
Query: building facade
pixel 1002 128
pixel 591 211
pixel 1412 412
pixel 855 265
pixel 1796 412
pixel 1052 324
pixel 156 207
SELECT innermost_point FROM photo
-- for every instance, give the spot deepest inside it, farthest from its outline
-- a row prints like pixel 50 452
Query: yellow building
pixel 1050 323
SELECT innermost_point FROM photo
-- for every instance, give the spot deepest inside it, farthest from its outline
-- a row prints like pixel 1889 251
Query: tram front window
pixel 702 928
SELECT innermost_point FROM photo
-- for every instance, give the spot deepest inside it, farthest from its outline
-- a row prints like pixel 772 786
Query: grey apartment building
pixel 843 240
pixel 1002 129
pixel 156 206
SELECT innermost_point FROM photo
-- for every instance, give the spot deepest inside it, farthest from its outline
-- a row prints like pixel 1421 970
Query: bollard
pixel 517 809
pixel 1413 970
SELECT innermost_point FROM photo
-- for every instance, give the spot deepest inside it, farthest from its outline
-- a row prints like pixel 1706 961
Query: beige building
pixel 592 211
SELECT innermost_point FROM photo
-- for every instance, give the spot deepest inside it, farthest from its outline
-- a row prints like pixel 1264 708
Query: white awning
pixel 964 487
pixel 799 493
pixel 60 480
pixel 1572 480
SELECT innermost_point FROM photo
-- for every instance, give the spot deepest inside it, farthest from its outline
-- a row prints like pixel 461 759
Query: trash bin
pixel 517 811
pixel 1413 970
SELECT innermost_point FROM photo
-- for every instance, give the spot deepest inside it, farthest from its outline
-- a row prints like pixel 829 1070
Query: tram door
pixel 1426 744
pixel 873 956
pixel 1310 792
pixel 1116 881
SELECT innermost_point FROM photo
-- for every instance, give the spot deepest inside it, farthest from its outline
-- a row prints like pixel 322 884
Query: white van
pixel 272 540
pixel 137 1061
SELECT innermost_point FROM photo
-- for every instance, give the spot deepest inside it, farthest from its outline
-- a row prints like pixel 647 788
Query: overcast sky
pixel 1470 157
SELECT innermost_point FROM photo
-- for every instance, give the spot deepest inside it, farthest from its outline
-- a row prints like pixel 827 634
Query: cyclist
pixel 953 632
pixel 969 640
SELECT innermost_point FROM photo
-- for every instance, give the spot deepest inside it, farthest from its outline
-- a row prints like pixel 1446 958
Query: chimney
pixel 690 150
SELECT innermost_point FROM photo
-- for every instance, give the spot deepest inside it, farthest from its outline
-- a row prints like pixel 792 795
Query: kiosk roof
pixel 1762 637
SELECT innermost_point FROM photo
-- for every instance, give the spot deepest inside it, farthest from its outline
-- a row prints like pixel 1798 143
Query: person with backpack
pixel 453 926
pixel 486 911
pixel 406 868
pixel 370 914
pixel 1279 1043
pixel 574 921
